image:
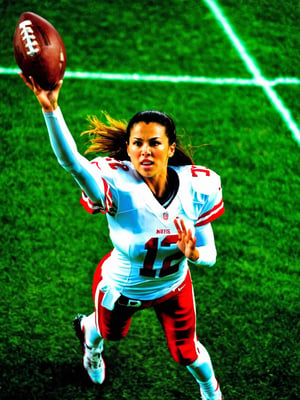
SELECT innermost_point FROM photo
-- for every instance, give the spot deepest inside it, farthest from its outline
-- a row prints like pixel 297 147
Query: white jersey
pixel 146 262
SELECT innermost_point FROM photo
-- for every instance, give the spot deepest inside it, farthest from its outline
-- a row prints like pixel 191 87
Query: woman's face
pixel 149 149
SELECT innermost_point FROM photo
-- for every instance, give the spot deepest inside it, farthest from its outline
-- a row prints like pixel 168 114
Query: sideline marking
pixel 254 70
pixel 166 78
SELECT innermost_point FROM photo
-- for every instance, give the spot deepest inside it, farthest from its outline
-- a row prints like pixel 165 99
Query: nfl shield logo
pixel 165 216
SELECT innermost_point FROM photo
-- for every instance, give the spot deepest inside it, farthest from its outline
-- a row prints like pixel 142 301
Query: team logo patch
pixel 165 216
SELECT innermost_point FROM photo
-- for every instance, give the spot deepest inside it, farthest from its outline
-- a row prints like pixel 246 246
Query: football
pixel 39 50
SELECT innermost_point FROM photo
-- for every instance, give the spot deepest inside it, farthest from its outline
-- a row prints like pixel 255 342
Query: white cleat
pixel 94 364
pixel 92 356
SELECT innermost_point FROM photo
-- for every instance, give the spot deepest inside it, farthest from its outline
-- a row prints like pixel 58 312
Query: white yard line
pixel 166 78
pixel 254 70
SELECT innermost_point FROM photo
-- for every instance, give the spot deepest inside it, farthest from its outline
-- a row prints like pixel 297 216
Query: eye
pixel 154 143
pixel 137 143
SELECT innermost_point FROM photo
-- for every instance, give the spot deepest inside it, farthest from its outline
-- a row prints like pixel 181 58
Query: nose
pixel 146 149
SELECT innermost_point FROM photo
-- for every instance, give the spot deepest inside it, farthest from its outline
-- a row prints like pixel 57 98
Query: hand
pixel 186 242
pixel 46 98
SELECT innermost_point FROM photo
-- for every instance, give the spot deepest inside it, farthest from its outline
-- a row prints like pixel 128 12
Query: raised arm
pixel 63 144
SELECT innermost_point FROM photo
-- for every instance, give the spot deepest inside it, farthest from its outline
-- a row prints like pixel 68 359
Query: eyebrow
pixel 152 138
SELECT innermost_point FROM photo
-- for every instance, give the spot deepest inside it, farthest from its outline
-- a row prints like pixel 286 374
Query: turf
pixel 248 304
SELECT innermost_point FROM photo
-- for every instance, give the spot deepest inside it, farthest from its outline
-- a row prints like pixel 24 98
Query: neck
pixel 166 193
pixel 158 186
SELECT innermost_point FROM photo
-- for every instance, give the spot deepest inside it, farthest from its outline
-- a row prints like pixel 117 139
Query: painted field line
pixel 167 78
pixel 254 70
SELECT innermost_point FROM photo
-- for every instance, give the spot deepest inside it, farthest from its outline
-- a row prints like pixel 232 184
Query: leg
pixel 92 336
pixel 113 323
pixel 176 313
pixel 178 318
pixel 202 371
pixel 91 340
pixel 92 345
pixel 103 324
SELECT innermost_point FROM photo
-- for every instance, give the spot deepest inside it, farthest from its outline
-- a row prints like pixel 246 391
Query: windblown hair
pixel 111 138
pixel 108 138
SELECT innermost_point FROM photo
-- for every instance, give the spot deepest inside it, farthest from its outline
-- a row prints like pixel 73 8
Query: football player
pixel 159 208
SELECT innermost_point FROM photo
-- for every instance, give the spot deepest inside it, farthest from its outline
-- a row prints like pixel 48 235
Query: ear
pixel 127 145
pixel 172 149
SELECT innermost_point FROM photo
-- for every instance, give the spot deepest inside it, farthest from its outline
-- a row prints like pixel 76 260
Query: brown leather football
pixel 39 50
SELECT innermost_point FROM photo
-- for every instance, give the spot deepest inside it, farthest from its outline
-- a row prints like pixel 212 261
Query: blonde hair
pixel 111 138
pixel 108 138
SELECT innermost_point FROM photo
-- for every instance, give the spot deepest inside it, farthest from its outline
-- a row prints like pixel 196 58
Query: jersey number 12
pixel 152 247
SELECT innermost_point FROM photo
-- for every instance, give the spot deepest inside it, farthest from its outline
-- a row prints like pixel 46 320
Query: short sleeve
pixel 213 206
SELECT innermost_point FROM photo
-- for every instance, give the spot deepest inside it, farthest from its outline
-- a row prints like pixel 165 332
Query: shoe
pixel 94 364
pixel 217 395
pixel 92 356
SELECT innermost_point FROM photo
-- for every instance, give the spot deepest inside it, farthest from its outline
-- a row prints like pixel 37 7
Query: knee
pixel 113 330
pixel 184 352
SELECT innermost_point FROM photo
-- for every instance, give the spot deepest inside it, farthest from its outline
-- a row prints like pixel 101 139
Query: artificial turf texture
pixel 248 303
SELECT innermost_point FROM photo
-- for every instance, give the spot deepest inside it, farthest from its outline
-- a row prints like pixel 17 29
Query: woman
pixel 159 207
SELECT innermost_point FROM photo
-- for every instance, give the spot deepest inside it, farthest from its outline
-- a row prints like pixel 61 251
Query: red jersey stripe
pixel 94 208
pixel 211 215
pixel 88 205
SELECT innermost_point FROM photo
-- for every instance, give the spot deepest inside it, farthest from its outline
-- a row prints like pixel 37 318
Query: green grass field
pixel 248 304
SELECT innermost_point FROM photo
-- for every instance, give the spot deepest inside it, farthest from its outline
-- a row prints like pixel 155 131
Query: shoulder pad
pixel 108 165
pixel 203 180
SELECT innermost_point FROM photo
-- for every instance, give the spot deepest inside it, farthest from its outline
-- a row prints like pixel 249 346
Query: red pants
pixel 175 311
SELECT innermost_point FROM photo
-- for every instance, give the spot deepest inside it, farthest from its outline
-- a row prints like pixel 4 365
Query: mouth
pixel 146 164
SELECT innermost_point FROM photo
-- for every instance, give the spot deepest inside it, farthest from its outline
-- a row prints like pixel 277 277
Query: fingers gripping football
pixel 186 241
pixel 47 98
